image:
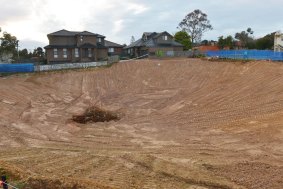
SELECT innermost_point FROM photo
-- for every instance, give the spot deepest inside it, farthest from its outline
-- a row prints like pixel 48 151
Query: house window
pixel 76 52
pixel 145 38
pixel 129 51
pixel 65 53
pixel 99 40
pixel 111 50
pixel 165 37
pixel 55 53
pixel 89 53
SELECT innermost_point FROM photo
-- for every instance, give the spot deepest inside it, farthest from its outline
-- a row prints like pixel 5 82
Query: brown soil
pixel 187 123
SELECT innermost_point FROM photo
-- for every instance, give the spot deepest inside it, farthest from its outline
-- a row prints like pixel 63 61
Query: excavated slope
pixel 186 123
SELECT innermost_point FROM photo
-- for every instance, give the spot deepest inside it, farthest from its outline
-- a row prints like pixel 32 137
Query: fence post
pixel 4 180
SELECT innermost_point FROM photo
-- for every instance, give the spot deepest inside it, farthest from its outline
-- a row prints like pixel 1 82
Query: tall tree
pixel 8 43
pixel 8 46
pixel 183 38
pixel 205 42
pixel 225 42
pixel 195 23
pixel 24 54
pixel 245 37
pixel 38 52
pixel 132 39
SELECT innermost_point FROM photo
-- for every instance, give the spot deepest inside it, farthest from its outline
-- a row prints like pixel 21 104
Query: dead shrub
pixel 95 114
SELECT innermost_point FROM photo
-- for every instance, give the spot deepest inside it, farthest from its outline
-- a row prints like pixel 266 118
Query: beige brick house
pixel 71 46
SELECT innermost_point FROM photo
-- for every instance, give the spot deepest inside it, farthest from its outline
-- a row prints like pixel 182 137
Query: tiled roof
pixel 176 44
pixel 112 44
pixel 148 33
pixel 60 46
pixel 159 34
pixel 137 43
pixel 73 33
pixel 86 33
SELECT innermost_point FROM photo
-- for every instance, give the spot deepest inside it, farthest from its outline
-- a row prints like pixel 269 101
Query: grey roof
pixel 86 33
pixel 112 44
pixel 60 46
pixel 73 33
pixel 137 43
pixel 148 33
pixel 85 45
pixel 150 41
pixel 159 34
pixel 176 44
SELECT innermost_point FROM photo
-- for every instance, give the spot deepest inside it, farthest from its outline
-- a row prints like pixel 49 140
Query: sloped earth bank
pixel 187 123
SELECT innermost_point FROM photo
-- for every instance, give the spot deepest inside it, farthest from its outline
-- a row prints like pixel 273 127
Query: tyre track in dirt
pixel 186 122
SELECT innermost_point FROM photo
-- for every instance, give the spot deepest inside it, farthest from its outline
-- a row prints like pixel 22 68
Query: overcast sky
pixel 31 20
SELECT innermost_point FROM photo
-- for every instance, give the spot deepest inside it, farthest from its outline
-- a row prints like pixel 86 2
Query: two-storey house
pixel 72 46
pixel 152 42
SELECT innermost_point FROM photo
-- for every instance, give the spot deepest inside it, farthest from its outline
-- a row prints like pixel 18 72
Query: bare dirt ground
pixel 187 124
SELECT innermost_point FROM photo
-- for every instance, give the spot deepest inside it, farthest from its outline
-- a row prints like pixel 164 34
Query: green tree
pixel 229 41
pixel 245 38
pixel 8 44
pixel 38 52
pixel 205 42
pixel 183 38
pixel 24 54
pixel 265 42
pixel 221 42
pixel 195 24
pixel 226 42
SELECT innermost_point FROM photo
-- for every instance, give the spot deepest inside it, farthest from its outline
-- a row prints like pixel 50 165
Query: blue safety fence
pixel 247 54
pixel 16 68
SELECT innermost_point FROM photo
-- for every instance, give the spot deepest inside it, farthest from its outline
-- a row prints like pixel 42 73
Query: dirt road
pixel 187 124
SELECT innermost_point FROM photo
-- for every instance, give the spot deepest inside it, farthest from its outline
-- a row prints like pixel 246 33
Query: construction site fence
pixel 16 68
pixel 247 54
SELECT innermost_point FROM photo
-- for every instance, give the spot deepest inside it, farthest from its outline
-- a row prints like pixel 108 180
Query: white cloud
pixel 137 8
pixel 32 20
pixel 118 26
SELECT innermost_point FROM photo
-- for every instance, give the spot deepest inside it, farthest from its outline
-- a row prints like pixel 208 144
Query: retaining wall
pixel 41 68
